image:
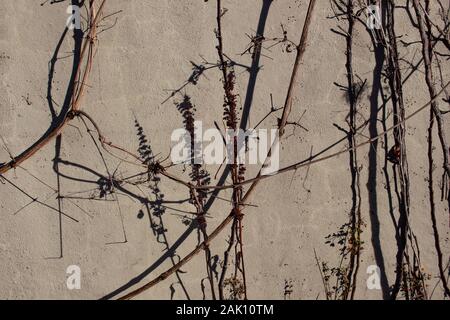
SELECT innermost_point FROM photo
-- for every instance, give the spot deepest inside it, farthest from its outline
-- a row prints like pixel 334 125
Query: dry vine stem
pixel 79 84
pixel 239 200
pixel 82 75
pixel 230 217
pixel 307 162
pixel 231 118
pixel 405 234
pixel 301 48
pixel 427 51
pixel 353 231
pixel 288 104
pixel 254 182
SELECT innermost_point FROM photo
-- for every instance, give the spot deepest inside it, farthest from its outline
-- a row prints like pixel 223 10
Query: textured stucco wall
pixel 149 50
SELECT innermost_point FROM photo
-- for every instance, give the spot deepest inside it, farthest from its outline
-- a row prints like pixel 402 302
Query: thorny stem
pixel 307 162
pixel 81 79
pixel 254 181
pixel 230 116
pixel 230 217
pixel 436 114
pixel 301 48
pixel 437 243
pixel 355 215
pixel 345 286
pixel 400 157
pixel 242 200
pixel 427 52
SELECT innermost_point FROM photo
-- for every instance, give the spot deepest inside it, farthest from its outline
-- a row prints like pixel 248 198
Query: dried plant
pixel 230 282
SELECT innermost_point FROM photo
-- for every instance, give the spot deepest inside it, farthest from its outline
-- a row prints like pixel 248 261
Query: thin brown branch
pixel 88 46
pixel 307 162
pixel 301 48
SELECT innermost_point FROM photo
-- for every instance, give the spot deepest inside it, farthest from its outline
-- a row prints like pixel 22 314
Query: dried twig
pixel 301 48
pixel 79 84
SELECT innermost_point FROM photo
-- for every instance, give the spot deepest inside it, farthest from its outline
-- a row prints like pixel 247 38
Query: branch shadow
pixel 152 208
pixel 372 177
pixel 58 119
pixel 199 70
pixel 255 67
